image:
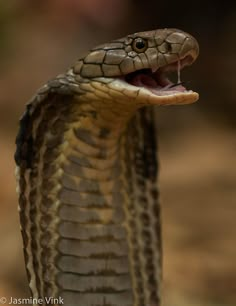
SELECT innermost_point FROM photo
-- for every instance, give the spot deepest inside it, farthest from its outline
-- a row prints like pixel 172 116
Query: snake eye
pixel 139 45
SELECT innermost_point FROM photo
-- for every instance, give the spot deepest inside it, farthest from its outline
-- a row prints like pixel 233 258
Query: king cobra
pixel 87 172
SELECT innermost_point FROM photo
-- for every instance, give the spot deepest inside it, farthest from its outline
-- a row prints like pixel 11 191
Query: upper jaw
pixel 151 86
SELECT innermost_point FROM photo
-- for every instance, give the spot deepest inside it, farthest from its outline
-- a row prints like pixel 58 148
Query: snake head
pixel 137 66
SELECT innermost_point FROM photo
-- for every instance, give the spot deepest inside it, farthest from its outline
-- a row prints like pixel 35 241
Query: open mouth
pixel 158 81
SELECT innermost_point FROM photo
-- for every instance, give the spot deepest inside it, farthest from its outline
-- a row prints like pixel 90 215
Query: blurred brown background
pixel 39 39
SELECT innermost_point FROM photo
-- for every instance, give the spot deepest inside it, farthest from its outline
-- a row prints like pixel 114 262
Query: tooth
pixel 167 86
pixel 178 71
pixel 154 68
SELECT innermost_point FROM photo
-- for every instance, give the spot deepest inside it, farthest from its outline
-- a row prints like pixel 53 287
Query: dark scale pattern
pixel 24 155
pixel 24 141
pixel 27 157
pixel 145 165
pixel 55 116
pixel 49 112
pixel 23 218
pixel 46 95
pixel 134 248
pixel 151 171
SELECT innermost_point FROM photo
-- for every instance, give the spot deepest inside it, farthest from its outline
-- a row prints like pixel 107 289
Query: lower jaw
pixel 147 97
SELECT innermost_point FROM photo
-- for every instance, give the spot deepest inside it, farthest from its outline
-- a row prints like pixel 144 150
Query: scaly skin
pixel 87 174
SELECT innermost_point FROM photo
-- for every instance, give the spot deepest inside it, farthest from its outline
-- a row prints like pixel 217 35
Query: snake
pixel 87 172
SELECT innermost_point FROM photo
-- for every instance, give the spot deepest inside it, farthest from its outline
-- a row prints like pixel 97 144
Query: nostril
pixel 168 47
pixel 165 47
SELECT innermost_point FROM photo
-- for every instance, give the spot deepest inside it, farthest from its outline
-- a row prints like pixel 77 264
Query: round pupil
pixel 140 44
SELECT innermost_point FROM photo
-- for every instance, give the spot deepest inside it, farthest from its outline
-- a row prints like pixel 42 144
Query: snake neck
pixel 93 211
pixel 90 218
pixel 121 226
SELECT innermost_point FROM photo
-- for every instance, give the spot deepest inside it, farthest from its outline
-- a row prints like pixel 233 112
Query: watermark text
pixel 31 301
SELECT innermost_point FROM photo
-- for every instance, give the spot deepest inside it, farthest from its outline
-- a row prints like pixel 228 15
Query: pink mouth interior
pixel 157 82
